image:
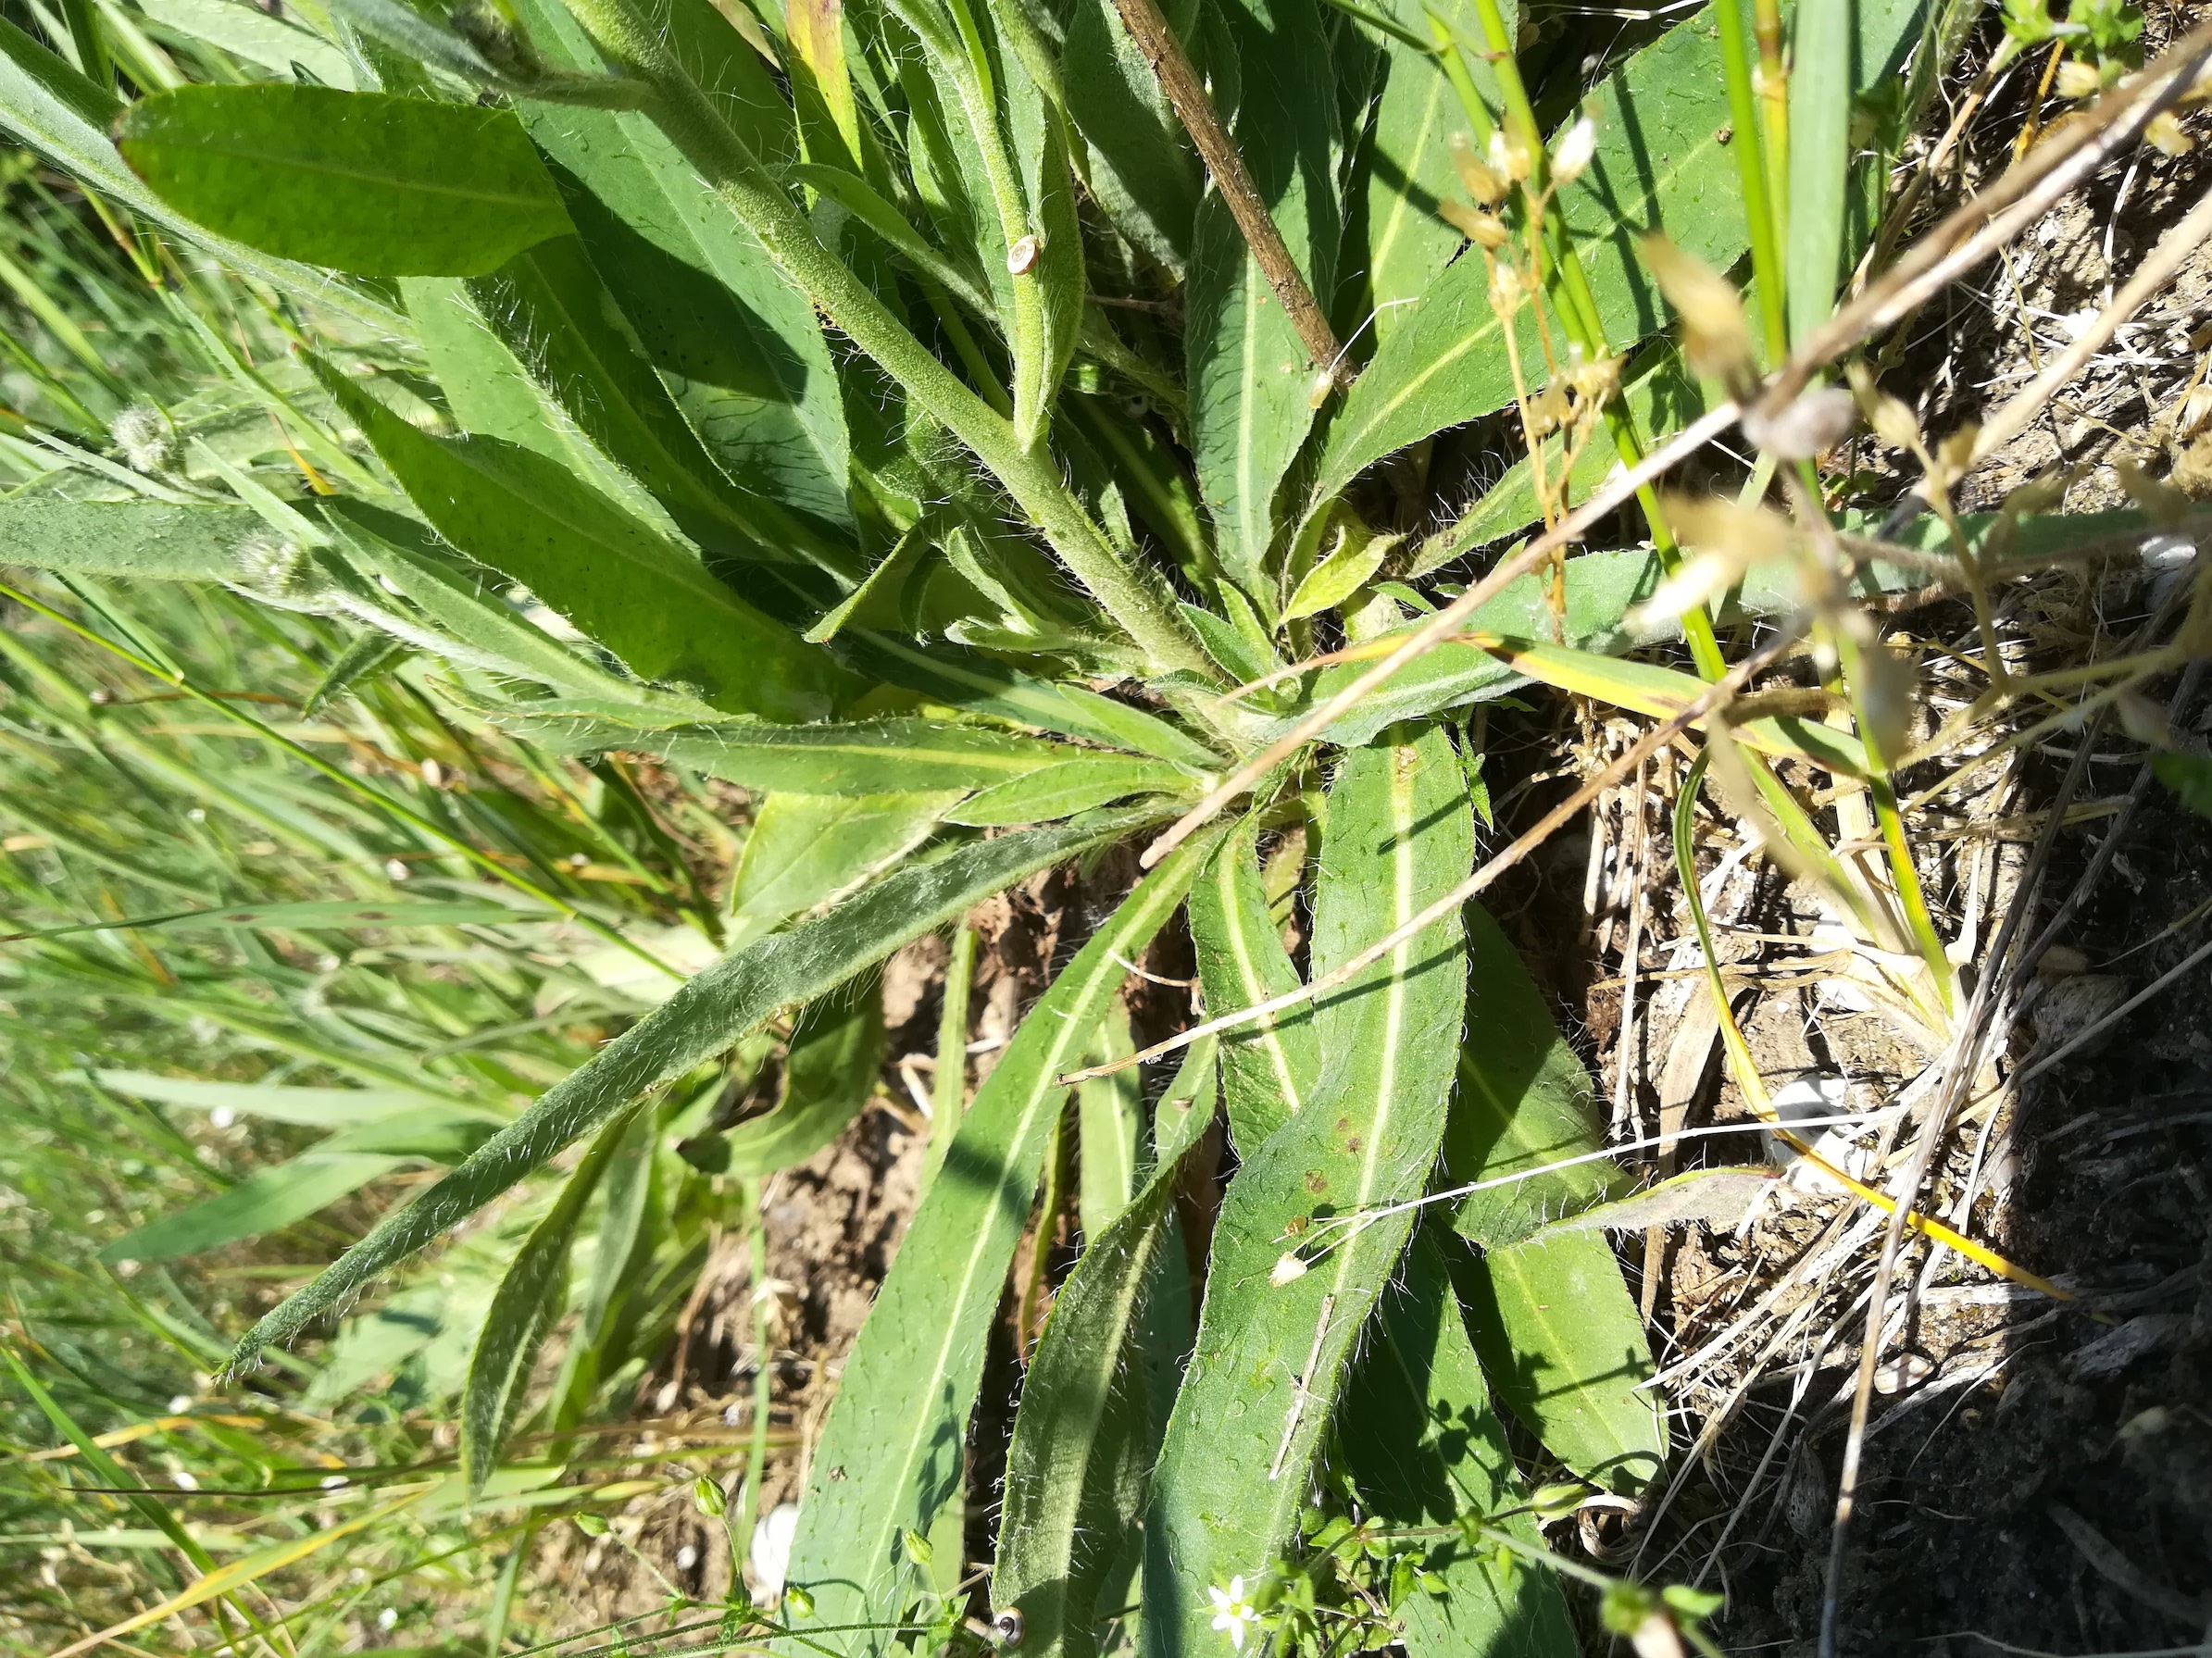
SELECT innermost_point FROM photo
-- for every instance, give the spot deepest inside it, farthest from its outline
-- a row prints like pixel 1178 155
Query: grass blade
pixel 1271 1357
pixel 891 1454
pixel 265 1200
pixel 731 999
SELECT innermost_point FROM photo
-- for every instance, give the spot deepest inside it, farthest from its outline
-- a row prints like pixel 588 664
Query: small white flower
pixel 184 1481
pixel 179 1403
pixel 1232 1612
pixel 386 1618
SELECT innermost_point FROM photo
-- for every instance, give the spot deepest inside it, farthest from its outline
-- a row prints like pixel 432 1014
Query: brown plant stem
pixel 1196 109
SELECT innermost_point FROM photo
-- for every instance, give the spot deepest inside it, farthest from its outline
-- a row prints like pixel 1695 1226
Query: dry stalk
pixel 1187 93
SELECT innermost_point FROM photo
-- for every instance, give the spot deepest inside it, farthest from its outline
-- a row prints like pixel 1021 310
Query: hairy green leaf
pixel 1524 1103
pixel 1268 1068
pixel 1409 168
pixel 528 1303
pixel 1070 785
pixel 56 111
pixel 1249 376
pixel 146 541
pixel 249 32
pixel 883 756
pixel 1660 165
pixel 984 685
pixel 644 598
pixel 1086 1431
pixel 361 181
pixel 1663 397
pixel 713 1010
pixel 739 345
pixel 809 850
pixel 891 1453
pixel 265 1200
pixel 1552 1319
pixel 1143 170
pixel 475 628
pixel 836 1049
pixel 1427 1449
pixel 1565 1348
pixel 1272 1355
pixel 1107 1110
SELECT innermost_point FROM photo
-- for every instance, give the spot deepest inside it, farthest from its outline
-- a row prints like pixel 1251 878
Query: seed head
pixel 145 439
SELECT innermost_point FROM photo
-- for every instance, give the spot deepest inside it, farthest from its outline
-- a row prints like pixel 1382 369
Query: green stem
pixel 1752 172
pixel 764 1381
pixel 1033 479
pixel 1883 793
pixel 970 70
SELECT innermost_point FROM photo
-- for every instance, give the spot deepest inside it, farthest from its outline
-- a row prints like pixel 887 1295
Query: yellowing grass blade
pixel 239 1573
pixel 1646 687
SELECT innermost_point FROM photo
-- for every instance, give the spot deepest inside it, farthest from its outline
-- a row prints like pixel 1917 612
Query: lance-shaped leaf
pixel 361 181
pixel 1273 1342
pixel 1071 786
pixel 1409 171
pixel 1108 1112
pixel 1268 1068
pixel 141 540
pixel 836 1049
pixel 54 110
pixel 891 1452
pixel 1524 1103
pixel 805 851
pixel 984 685
pixel 265 1200
pixel 1427 1449
pixel 740 346
pixel 1249 378
pixel 1085 1434
pixel 642 596
pixel 728 1001
pixel 528 1303
pixel 1143 168
pixel 551 308
pixel 1661 164
pixel 1564 1347
pixel 882 756
pixel 1552 1319
pixel 469 624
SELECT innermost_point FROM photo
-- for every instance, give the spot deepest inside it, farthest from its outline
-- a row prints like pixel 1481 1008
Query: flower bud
pixel 1574 152
pixel 145 439
pixel 2164 135
pixel 2078 79
pixel 1485 229
pixel 1486 185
